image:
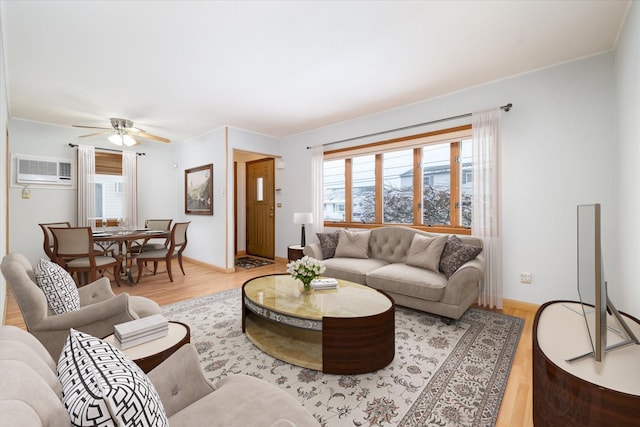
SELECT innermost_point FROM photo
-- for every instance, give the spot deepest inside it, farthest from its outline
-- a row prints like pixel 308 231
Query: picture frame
pixel 198 190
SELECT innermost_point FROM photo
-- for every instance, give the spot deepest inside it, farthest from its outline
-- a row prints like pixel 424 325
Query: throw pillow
pixel 102 387
pixel 58 287
pixel 353 244
pixel 455 254
pixel 328 244
pixel 425 251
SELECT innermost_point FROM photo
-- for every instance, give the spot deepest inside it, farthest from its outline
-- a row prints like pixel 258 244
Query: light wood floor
pixel 516 409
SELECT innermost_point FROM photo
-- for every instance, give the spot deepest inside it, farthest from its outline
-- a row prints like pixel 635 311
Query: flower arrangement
pixel 306 269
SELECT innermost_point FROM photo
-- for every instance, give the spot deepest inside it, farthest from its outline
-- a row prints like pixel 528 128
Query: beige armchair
pixel 100 308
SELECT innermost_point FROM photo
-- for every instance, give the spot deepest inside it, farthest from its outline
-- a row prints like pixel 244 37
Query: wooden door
pixel 261 208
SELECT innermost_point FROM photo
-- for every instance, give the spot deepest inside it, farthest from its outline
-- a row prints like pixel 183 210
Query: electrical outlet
pixel 525 278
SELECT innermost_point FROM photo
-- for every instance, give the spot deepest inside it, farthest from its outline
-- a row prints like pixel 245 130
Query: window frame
pixel 454 136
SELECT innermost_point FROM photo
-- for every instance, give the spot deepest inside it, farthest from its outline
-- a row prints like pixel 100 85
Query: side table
pixel 152 353
pixel 295 252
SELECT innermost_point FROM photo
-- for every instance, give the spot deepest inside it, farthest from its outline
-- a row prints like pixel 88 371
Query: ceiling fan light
pixel 116 139
pixel 128 140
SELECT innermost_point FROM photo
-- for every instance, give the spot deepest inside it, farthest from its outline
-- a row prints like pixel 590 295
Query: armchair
pixel 100 308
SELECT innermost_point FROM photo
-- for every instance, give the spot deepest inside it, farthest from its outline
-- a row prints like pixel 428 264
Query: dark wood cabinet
pixel 582 393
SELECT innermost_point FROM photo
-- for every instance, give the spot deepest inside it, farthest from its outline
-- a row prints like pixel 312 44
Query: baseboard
pixel 211 266
pixel 520 305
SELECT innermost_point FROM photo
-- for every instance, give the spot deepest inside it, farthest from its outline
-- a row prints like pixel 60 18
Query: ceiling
pixel 181 68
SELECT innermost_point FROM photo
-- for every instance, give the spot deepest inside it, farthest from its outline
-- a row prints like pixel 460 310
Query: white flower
pixel 305 267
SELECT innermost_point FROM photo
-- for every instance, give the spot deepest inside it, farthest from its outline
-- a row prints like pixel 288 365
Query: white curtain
pixel 317 184
pixel 130 190
pixel 86 186
pixel 486 207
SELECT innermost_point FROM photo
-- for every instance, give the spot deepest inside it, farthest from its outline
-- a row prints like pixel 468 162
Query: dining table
pixel 123 239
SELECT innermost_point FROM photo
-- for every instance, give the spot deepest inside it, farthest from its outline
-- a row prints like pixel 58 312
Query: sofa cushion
pixel 58 287
pixel 328 243
pixel 268 405
pixel 410 281
pixel 455 254
pixel 102 387
pixel 425 251
pixel 353 244
pixel 351 269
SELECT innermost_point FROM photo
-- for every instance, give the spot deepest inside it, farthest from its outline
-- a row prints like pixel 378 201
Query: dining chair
pixel 155 224
pixel 48 237
pixel 74 250
pixel 177 245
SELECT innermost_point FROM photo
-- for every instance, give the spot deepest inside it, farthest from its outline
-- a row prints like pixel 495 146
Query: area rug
pixel 442 375
pixel 251 262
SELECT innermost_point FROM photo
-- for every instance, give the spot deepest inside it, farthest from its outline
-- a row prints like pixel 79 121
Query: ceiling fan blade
pixel 94 134
pixel 91 127
pixel 154 137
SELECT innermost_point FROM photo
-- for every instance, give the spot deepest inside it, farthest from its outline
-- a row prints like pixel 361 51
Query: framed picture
pixel 198 190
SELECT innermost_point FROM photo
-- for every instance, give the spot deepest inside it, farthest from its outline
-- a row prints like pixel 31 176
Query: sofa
pixel 436 273
pixel 98 308
pixel 32 392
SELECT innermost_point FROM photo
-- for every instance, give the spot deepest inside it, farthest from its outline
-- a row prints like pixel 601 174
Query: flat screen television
pixel 592 288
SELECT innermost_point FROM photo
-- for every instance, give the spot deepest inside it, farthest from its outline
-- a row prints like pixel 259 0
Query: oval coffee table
pixel 348 330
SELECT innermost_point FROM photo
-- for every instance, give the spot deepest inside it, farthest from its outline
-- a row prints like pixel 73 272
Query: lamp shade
pixel 303 218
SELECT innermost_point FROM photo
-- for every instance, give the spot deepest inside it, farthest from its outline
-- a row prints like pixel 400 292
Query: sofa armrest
pixel 179 380
pixel 94 292
pixel 470 273
pixel 115 308
pixel 313 250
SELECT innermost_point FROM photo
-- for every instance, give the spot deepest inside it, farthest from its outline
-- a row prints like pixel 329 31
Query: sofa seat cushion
pixel 410 281
pixel 267 403
pixel 351 269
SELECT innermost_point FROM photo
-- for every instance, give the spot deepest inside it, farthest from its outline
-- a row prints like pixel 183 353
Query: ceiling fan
pixel 123 133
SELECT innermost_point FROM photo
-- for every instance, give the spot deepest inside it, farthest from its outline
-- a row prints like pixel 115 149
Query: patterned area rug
pixel 442 375
pixel 251 262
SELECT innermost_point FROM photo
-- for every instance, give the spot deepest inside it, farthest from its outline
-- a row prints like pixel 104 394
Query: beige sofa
pixel 31 392
pixel 100 308
pixel 410 273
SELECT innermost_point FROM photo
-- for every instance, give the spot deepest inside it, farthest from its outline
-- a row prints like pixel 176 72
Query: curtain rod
pixel 504 108
pixel 107 149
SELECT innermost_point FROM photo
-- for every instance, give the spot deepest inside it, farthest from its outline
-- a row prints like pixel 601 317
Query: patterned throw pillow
pixel 58 287
pixel 455 254
pixel 328 244
pixel 425 251
pixel 353 244
pixel 102 387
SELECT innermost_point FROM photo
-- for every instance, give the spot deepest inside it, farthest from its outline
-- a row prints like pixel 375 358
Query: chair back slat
pixel 159 224
pixel 72 241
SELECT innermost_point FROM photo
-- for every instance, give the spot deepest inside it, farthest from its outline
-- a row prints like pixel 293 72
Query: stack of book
pixel 139 331
pixel 324 283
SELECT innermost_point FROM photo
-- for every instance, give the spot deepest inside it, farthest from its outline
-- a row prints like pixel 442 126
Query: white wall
pixel 156 183
pixel 628 109
pixel 3 168
pixel 559 150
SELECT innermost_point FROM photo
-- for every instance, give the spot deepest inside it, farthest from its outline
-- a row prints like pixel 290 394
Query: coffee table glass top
pixel 284 294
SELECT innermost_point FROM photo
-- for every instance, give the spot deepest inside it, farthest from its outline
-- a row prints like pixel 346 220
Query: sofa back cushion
pixel 391 244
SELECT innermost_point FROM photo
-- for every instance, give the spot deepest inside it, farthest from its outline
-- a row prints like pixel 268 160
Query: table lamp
pixel 302 218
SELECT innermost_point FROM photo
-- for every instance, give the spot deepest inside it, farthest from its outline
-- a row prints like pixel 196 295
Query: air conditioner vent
pixel 43 171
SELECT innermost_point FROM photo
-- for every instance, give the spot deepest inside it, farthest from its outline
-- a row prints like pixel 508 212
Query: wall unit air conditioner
pixel 32 170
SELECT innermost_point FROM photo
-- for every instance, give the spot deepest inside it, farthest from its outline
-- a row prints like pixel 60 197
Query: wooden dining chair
pixel 48 237
pixel 177 245
pixel 147 244
pixel 74 251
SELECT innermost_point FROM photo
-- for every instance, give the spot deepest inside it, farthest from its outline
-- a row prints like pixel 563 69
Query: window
pixel 424 181
pixel 109 185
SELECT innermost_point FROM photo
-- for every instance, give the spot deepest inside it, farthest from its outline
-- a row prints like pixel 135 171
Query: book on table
pixel 141 330
pixel 327 283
